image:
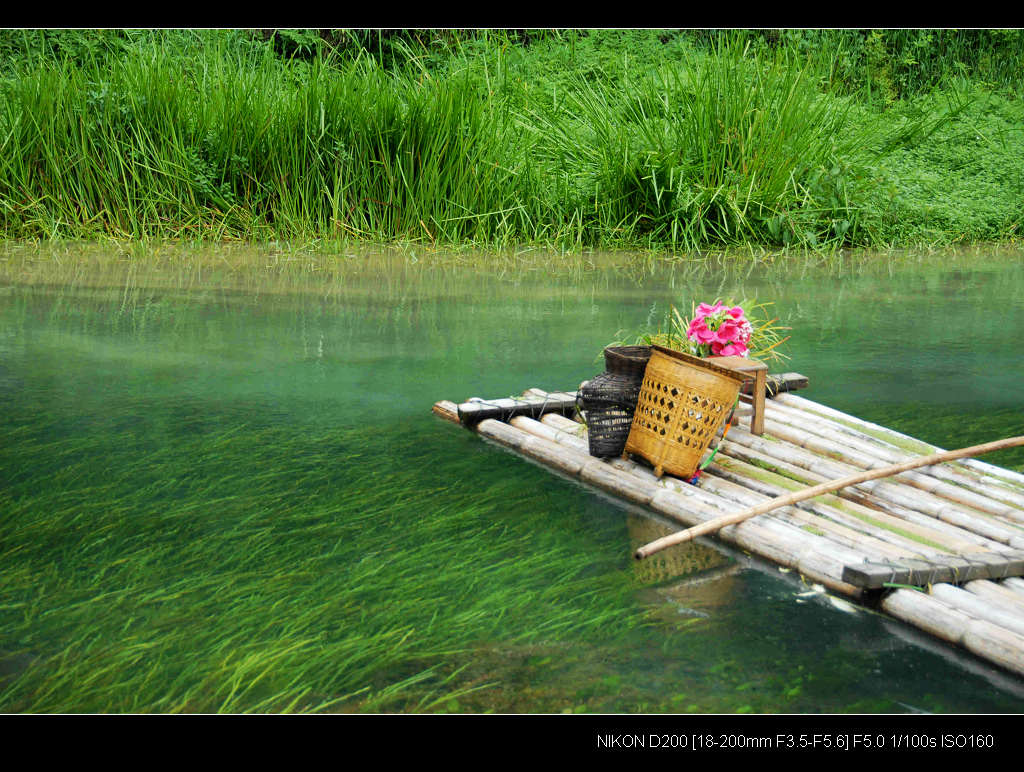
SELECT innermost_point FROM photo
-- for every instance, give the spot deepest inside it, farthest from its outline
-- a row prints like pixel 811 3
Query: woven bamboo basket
pixel 608 400
pixel 683 401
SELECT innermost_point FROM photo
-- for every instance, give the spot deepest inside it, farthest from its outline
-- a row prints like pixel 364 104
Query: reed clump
pixel 621 139
pixel 236 144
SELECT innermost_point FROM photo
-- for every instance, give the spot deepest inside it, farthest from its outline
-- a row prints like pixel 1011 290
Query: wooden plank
pixel 477 410
pixel 752 370
pixel 950 569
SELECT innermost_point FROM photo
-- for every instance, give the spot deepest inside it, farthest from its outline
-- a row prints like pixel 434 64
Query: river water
pixel 222 488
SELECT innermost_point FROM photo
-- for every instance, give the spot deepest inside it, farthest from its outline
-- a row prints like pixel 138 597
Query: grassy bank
pixel 614 139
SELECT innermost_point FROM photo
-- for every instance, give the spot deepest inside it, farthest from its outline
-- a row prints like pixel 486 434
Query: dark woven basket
pixel 627 360
pixel 609 399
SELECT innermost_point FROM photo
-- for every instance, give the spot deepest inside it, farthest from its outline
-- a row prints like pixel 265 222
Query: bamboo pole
pixel 864 456
pixel 1015 479
pixel 862 504
pixel 888 491
pixel 817 490
pixel 886 452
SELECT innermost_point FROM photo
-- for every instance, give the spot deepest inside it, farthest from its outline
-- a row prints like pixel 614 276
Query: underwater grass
pixel 232 567
pixel 193 517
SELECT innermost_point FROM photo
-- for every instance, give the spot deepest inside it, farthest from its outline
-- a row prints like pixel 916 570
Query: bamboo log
pixel 885 490
pixel 812 556
pixel 950 534
pixel 987 640
pixel 826 515
pixel 1008 476
pixel 872 474
pixel 1015 584
pixel 890 453
pixel 997 593
pixel 980 608
pixel 868 546
pixel 866 455
pixel 447 410
pixel 944 525
pixel 816 557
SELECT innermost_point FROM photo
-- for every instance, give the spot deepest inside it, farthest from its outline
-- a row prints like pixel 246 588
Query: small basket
pixel 630 361
pixel 683 401
pixel 609 399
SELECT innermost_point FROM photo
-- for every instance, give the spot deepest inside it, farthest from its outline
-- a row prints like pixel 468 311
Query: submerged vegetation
pixel 221 488
pixel 574 139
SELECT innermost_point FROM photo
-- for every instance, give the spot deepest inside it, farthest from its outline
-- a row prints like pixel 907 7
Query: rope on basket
pixel 728 425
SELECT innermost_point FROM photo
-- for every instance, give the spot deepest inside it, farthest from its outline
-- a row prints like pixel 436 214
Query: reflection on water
pixel 221 486
pixel 682 560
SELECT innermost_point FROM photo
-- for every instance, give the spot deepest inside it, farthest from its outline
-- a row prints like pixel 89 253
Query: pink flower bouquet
pixel 720 331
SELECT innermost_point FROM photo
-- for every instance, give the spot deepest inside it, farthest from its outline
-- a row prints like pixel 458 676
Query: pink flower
pixel 732 350
pixel 699 331
pixel 736 313
pixel 705 335
pixel 729 331
pixel 705 310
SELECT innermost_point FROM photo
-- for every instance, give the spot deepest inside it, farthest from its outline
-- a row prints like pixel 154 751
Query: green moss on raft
pixel 764 472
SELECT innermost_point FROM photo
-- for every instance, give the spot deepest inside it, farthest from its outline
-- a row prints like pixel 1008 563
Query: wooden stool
pixel 752 370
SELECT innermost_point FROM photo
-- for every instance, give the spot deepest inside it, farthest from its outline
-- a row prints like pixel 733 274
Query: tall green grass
pixel 886 65
pixel 726 149
pixel 578 140
pixel 238 145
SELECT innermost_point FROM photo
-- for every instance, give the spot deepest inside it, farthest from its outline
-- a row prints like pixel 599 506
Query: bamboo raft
pixel 940 548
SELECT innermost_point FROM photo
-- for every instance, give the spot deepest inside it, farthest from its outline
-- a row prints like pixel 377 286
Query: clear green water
pixel 222 488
